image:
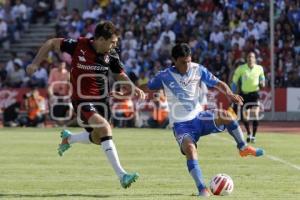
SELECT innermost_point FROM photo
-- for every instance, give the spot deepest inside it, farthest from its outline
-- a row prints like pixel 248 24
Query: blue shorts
pixel 201 125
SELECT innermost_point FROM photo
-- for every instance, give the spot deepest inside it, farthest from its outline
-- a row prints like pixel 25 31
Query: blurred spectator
pixel 20 14
pixel 35 107
pixel 59 93
pixel 11 115
pixel 59 5
pixel 237 39
pixel 17 76
pixel 40 77
pixel 10 63
pixel 41 9
pixel 123 110
pixel 159 117
pixel 3 31
pixel 3 75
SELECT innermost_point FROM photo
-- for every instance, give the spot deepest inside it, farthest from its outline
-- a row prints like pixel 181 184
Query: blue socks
pixel 236 132
pixel 196 173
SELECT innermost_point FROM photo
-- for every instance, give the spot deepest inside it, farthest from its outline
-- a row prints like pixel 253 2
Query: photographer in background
pixel 35 106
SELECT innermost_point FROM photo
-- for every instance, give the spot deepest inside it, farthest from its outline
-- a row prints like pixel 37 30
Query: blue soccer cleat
pixel 127 179
pixel 64 145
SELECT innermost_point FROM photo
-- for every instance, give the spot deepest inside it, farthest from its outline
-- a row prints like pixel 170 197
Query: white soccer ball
pixel 221 184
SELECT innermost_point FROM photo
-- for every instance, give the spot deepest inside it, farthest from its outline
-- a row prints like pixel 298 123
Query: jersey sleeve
pixel 68 46
pixel 236 76
pixel 262 75
pixel 116 66
pixel 208 78
pixel 155 83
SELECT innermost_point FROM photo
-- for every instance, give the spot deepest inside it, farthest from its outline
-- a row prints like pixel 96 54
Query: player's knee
pixel 99 133
pixel 225 117
pixel 190 149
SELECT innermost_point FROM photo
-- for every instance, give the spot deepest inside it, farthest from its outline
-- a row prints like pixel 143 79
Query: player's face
pixel 251 59
pixel 182 63
pixel 105 45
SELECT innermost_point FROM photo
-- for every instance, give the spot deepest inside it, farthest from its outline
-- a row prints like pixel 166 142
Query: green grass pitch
pixel 30 167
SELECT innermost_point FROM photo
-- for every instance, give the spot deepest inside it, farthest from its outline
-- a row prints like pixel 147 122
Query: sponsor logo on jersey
pixel 82 52
pixel 92 67
pixel 81 58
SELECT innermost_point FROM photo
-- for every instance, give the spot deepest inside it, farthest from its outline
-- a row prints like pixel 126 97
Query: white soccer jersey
pixel 182 91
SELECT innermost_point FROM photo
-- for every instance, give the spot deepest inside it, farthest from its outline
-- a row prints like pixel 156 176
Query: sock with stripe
pixel 195 171
pixel 236 132
pixel 110 151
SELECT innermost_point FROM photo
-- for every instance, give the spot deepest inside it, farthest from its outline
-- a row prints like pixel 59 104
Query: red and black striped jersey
pixel 89 69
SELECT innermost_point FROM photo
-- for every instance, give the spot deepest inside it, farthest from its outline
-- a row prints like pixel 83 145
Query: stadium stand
pixel 219 32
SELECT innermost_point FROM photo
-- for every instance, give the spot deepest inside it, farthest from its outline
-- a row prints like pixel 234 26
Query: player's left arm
pixel 117 69
pixel 262 78
pixel 224 88
pixel 210 80
pixel 129 85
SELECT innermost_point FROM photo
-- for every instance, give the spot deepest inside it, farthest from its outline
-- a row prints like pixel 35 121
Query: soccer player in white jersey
pixel 181 85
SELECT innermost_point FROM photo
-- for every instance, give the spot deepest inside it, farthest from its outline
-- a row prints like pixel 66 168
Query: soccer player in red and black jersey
pixel 93 60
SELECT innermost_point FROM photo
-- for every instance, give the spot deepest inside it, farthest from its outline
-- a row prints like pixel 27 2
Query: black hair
pixel 106 29
pixel 181 50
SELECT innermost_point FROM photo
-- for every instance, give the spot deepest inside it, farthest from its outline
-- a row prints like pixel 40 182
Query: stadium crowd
pixel 220 32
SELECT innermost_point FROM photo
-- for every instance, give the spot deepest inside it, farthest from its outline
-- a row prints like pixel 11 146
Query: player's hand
pixel 235 98
pixel 119 95
pixel 31 69
pixel 139 93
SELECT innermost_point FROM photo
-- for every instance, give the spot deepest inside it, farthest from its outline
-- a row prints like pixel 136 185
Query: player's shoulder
pixel 165 72
pixel 195 65
pixel 82 40
pixel 242 67
pixel 114 54
pixel 259 67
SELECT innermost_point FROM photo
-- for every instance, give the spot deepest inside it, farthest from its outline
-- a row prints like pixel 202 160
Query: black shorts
pixel 85 109
pixel 60 110
pixel 250 99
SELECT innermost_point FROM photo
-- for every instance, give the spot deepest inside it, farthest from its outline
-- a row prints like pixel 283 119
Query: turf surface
pixel 31 169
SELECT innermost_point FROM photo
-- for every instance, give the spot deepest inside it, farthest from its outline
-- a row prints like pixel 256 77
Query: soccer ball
pixel 221 184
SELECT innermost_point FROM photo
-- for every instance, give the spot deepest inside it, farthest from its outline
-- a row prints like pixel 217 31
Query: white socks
pixel 110 150
pixel 108 147
pixel 83 138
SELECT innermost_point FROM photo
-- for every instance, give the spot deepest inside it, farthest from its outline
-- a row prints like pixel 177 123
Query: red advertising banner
pixel 216 99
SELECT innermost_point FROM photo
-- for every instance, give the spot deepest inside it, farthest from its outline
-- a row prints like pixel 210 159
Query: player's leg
pixel 68 138
pixel 188 147
pixel 102 135
pixel 255 111
pixel 223 117
pixel 183 133
pixel 245 120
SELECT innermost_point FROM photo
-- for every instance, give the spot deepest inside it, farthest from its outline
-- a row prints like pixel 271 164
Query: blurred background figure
pixel 35 106
pixel 159 118
pixel 123 111
pixel 59 94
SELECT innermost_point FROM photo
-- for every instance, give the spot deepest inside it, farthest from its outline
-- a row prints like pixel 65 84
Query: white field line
pixel 271 157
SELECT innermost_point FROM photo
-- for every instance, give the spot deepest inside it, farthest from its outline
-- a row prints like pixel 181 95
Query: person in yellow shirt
pixel 251 78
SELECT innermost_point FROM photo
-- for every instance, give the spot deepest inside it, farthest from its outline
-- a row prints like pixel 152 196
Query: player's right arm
pixel 50 45
pixel 235 80
pixel 154 84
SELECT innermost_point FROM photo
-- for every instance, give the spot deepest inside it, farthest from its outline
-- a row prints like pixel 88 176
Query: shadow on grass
pixel 83 195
